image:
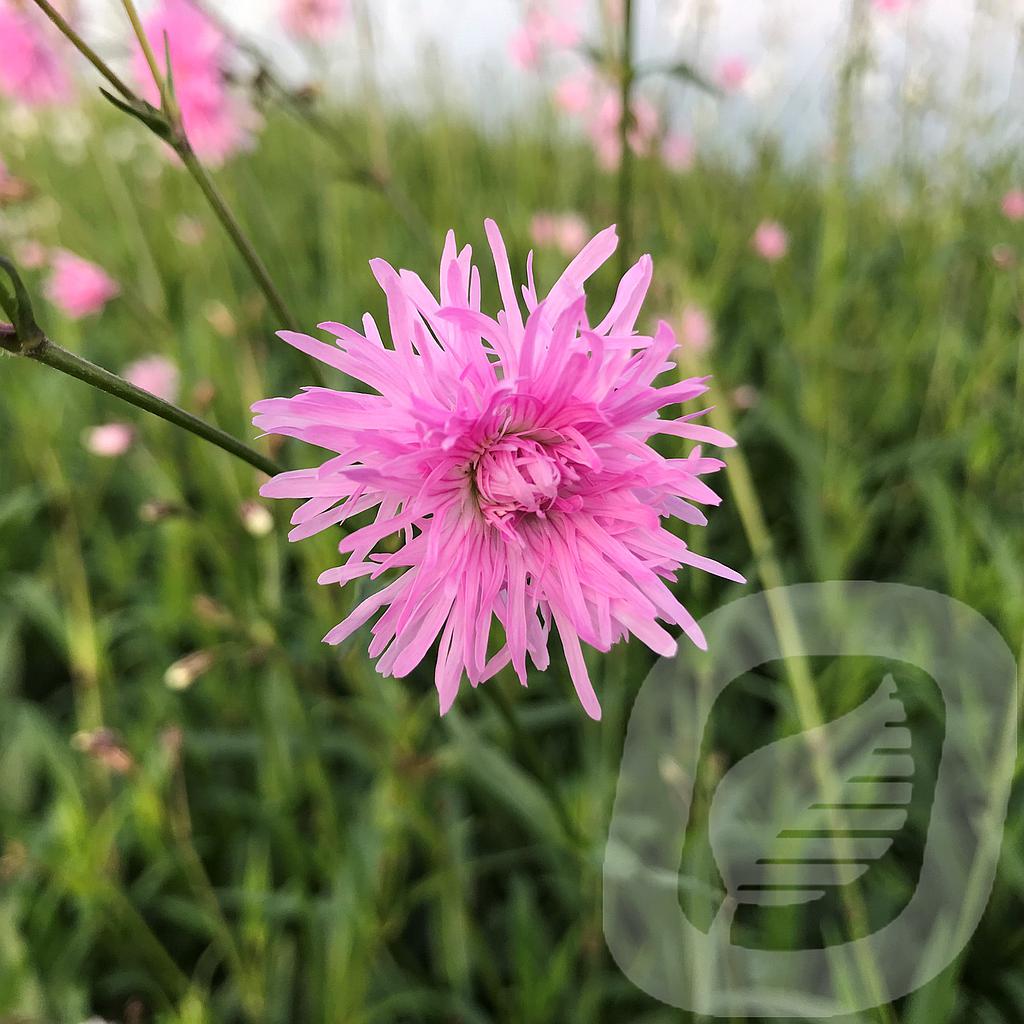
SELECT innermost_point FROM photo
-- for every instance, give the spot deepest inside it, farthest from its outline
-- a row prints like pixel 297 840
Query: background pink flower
pixel 566 232
pixel 1013 204
pixel 771 240
pixel 109 440
pixel 605 127
pixel 218 123
pixel 543 30
pixel 77 287
pixel 312 19
pixel 696 329
pixel 678 152
pixel 30 254
pixel 156 374
pixel 732 73
pixel 30 69
pixel 509 459
pixel 575 93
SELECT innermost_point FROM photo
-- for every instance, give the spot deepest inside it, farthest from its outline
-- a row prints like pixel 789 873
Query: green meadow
pixel 272 832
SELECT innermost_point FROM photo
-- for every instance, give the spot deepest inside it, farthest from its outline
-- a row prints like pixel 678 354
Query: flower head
pixel 1013 204
pixel 566 232
pixel 312 19
pixel 30 254
pixel 110 440
pixel 574 93
pixel 733 72
pixel 30 69
pixel 606 122
pixel 544 29
pixel 217 122
pixel 771 241
pixel 77 287
pixel 678 152
pixel 697 329
pixel 509 459
pixel 156 374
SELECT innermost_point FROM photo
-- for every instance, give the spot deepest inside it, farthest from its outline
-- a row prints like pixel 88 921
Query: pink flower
pixel 77 287
pixel 110 440
pixel 575 92
pixel 890 6
pixel 543 30
pixel 312 19
pixel 30 69
pixel 1013 204
pixel 771 241
pixel 30 254
pixel 217 123
pixel 732 73
pixel 12 189
pixel 156 374
pixel 697 329
pixel 678 152
pixel 605 128
pixel 508 461
pixel 566 232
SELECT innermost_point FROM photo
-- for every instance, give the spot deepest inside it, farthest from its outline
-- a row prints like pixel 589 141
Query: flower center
pixel 518 475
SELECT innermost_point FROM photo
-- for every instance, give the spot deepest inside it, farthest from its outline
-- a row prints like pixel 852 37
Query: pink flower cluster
pixel 508 457
pixel 155 374
pixel 217 122
pixel 1013 204
pixel 599 103
pixel 30 68
pixel 544 30
pixel 312 19
pixel 77 287
pixel 566 232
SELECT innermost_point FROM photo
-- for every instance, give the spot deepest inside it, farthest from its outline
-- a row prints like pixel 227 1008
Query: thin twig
pixel 74 365
pixel 83 47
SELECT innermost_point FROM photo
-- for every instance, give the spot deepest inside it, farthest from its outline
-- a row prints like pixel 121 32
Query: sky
pixel 459 49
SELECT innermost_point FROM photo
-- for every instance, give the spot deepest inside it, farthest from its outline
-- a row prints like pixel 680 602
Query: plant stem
pixel 67 362
pixel 360 171
pixel 625 198
pixel 798 671
pixel 83 47
pixel 171 122
pixel 241 242
pixel 147 50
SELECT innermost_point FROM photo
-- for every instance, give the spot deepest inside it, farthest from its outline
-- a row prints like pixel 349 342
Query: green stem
pixel 67 362
pixel 170 129
pixel 359 171
pixel 798 671
pixel 625 198
pixel 241 242
pixel 147 50
pixel 83 47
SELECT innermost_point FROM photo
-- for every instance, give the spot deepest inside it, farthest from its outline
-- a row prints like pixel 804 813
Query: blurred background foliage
pixel 208 816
